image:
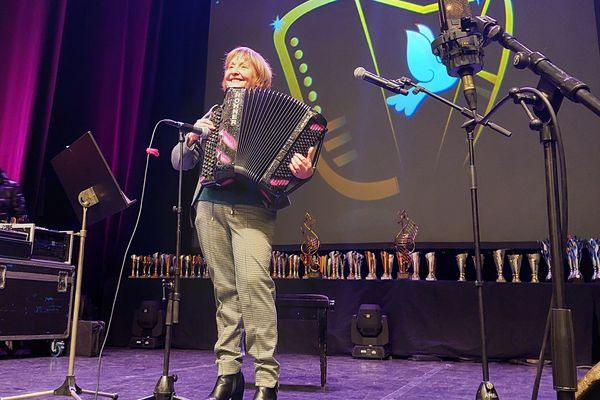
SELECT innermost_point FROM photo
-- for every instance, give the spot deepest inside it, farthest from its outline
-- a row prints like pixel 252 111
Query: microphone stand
pixel 486 389
pixel 165 387
pixel 555 84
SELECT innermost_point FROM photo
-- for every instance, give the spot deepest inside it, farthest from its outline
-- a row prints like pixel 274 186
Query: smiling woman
pixel 236 229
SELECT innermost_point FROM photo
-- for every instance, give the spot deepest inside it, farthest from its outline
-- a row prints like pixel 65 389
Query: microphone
pixel 182 126
pixel 370 77
pixel 460 45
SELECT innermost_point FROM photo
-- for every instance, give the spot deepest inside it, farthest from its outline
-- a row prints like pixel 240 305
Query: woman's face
pixel 239 73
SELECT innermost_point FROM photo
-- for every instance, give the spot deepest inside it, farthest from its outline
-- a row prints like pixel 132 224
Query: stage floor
pixel 133 374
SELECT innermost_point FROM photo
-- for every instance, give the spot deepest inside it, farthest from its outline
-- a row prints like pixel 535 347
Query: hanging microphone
pixel 392 86
pixel 182 126
pixel 460 45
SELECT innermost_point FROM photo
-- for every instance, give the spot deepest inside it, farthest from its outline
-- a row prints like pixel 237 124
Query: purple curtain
pixel 29 56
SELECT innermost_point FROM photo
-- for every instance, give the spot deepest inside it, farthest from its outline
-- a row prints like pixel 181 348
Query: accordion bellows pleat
pixel 257 133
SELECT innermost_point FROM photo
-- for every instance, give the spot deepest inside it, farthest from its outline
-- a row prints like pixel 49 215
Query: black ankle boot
pixel 228 387
pixel 265 393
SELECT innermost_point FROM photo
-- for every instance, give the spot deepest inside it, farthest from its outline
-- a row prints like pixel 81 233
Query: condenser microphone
pixel 392 86
pixel 460 45
pixel 184 127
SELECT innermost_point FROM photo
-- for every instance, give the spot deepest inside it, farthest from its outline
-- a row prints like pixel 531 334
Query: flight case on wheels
pixel 35 299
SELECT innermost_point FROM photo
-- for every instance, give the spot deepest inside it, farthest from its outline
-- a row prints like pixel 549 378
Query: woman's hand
pixel 201 123
pixel 301 166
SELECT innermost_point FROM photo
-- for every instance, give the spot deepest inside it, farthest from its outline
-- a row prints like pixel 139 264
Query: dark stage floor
pixel 133 373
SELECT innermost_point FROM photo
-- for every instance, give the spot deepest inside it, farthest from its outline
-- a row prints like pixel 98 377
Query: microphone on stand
pixel 460 45
pixel 184 127
pixel 392 86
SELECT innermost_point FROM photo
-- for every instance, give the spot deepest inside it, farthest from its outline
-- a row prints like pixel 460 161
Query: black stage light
pixel 370 333
pixel 148 325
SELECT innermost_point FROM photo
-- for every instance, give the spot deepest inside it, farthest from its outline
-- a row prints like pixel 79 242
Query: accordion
pixel 257 133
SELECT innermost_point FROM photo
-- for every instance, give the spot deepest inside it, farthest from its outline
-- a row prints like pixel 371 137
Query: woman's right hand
pixel 201 123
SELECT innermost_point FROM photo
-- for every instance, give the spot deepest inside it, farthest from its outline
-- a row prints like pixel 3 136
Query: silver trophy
pixel 547 257
pixel 498 256
pixel 534 265
pixel 430 258
pixel 461 261
pixel 358 264
pixel 415 259
pixel 349 259
pixel 515 266
pixel 593 246
pixel 574 248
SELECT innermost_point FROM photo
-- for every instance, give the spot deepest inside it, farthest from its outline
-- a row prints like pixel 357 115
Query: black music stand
pixel 88 182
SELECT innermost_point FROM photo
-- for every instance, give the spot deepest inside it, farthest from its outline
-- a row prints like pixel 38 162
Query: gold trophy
pixel 387 259
pixel 323 266
pixel 309 248
pixel 430 257
pixel 515 266
pixel 404 243
pixel 134 268
pixel 498 256
pixel 534 264
pixel 461 261
pixel 371 264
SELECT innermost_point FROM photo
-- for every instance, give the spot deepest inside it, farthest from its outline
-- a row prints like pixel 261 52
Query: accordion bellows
pixel 257 132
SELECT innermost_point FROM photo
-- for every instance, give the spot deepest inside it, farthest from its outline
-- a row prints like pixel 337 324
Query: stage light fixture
pixel 370 333
pixel 148 325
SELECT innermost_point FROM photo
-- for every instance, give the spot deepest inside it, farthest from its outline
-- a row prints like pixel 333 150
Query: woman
pixel 236 231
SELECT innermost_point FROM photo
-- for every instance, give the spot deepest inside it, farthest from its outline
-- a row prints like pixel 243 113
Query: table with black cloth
pixel 425 317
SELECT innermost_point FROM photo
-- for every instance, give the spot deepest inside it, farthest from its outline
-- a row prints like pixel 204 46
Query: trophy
pixel 515 266
pixel 387 259
pixel 325 272
pixel 188 266
pixel 309 248
pixel 547 257
pixel 282 260
pixel 430 258
pixel 154 267
pixel 196 266
pixel 594 249
pixel 273 264
pixel 404 243
pixel 534 264
pixel 415 258
pixel 358 259
pixel 461 261
pixel 334 265
pixel 574 247
pixel 134 266
pixel 498 256
pixel 147 265
pixel 349 259
pixel 372 264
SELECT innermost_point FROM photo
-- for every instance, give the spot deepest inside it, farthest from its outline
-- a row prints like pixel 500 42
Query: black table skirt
pixel 425 318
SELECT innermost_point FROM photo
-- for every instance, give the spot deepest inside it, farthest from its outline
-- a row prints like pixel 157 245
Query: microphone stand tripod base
pixel 165 389
pixel 486 391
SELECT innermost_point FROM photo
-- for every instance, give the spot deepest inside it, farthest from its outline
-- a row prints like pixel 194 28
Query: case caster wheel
pixel 57 348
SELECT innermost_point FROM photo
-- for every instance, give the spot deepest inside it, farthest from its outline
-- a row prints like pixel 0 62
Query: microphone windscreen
pixel 359 72
pixel 457 9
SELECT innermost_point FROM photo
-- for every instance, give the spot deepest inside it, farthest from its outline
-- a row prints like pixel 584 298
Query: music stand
pixel 88 182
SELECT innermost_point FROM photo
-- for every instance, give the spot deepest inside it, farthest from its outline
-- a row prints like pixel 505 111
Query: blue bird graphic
pixel 426 69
